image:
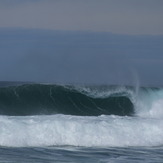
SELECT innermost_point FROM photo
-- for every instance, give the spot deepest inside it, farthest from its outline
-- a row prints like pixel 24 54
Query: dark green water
pixel 36 99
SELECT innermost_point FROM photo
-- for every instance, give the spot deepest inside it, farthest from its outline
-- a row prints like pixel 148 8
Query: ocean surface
pixel 45 123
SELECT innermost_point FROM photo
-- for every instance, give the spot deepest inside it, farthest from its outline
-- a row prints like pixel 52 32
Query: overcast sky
pixel 82 41
pixel 117 16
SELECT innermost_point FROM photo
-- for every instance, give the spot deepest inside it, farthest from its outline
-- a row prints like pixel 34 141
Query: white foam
pixel 150 103
pixel 80 131
pixel 105 92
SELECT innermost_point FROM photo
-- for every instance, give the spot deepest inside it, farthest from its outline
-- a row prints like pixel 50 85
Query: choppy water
pixel 81 154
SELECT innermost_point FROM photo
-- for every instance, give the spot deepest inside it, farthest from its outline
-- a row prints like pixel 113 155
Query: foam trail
pixel 80 131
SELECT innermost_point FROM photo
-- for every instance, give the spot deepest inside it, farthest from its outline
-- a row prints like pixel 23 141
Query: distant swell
pixel 39 99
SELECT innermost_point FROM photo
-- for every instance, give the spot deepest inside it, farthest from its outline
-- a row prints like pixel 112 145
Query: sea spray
pixel 150 103
pixel 54 130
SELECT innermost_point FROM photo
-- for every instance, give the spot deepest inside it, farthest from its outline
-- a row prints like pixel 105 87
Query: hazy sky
pixel 117 16
pixel 82 41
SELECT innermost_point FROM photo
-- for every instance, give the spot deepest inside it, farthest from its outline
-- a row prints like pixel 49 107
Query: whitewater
pixel 81 123
pixel 102 131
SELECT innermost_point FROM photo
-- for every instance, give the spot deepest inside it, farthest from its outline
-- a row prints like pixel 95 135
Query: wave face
pixel 34 99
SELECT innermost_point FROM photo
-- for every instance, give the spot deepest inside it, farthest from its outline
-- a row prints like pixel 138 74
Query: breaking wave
pixel 59 115
pixel 34 99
